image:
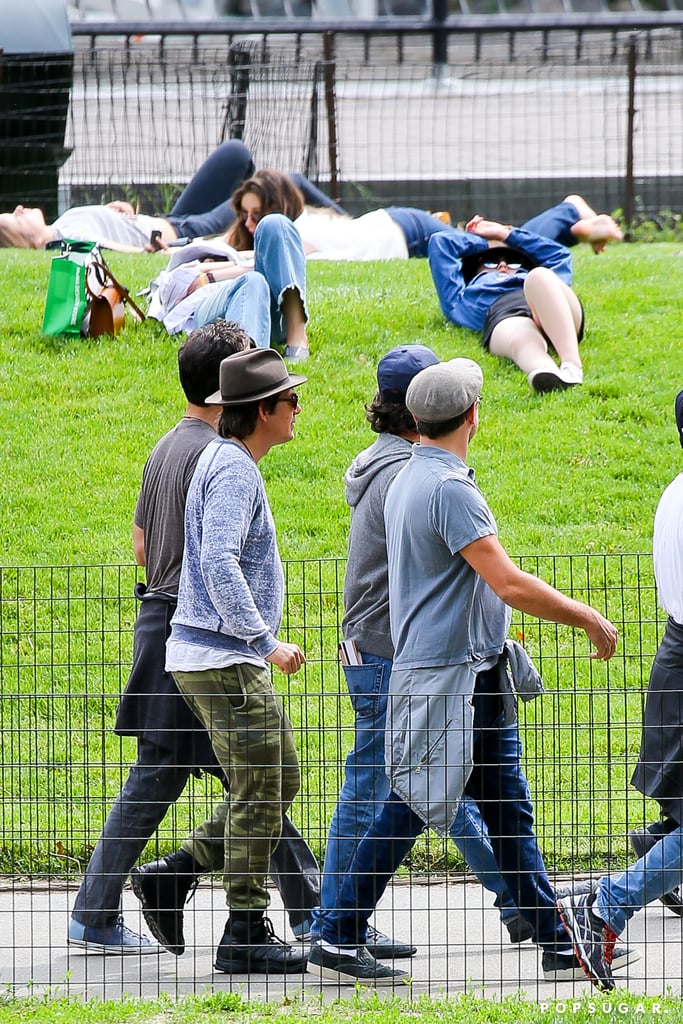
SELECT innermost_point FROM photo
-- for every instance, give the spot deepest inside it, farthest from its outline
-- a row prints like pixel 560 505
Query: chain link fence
pixel 65 654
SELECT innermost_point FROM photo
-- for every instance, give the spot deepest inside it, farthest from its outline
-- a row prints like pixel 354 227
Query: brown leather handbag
pixel 107 303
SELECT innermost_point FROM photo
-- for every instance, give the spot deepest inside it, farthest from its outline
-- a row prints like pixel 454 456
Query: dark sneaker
pixel 163 887
pixel 382 947
pixel 117 940
pixel 592 940
pixel 642 840
pixel 518 928
pixel 569 968
pixel 361 969
pixel 264 953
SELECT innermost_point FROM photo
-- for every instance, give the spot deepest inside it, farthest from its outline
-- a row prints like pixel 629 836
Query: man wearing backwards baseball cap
pixel 223 640
pixel 366 624
pixel 441 536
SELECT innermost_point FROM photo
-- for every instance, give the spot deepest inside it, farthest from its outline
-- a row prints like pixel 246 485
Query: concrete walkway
pixel 462 947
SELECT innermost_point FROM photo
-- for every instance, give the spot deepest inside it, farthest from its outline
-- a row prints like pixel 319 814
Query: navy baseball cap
pixel 397 368
pixel 679 415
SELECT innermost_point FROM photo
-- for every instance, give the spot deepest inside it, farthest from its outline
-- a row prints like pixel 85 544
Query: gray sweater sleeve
pixel 239 559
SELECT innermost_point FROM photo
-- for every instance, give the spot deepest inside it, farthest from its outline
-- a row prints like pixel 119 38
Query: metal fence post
pixel 629 185
pixel 330 107
pixel 439 36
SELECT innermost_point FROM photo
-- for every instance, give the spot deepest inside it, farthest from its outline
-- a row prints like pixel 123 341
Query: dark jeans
pixel 313 196
pixel 203 208
pixel 502 797
pixel 418 226
pixel 154 783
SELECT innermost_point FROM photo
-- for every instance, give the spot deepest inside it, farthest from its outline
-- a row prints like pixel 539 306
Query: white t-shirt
pixel 374 236
pixel 102 224
pixel 667 549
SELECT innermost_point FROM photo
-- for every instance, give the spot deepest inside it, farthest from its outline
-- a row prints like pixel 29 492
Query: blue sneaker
pixel 117 939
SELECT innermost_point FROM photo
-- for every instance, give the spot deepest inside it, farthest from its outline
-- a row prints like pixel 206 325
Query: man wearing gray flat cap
pixel 222 643
pixel 441 543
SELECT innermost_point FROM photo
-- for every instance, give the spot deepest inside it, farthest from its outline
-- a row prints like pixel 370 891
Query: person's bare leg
pixel 292 309
pixel 557 311
pixel 582 207
pixel 519 339
pixel 597 229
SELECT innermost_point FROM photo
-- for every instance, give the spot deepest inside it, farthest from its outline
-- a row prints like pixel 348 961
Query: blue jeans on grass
pixel 254 299
pixel 366 787
pixel 501 792
pixel 418 226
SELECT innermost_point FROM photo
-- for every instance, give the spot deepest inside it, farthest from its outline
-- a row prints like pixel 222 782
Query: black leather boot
pixel 250 946
pixel 164 887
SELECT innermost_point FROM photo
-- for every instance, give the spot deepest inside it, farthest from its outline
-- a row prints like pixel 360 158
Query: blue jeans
pixel 366 787
pixel 555 223
pixel 657 873
pixel 203 208
pixel 254 300
pixel 501 792
pixel 313 196
pixel 418 227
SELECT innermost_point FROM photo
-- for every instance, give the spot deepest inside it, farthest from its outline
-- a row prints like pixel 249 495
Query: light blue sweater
pixel 231 582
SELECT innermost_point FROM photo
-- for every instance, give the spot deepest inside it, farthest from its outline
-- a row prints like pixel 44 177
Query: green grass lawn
pixel 574 471
pixel 579 471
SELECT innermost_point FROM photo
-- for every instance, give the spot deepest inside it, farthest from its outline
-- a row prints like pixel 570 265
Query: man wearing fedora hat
pixel 222 643
pixel 514 285
pixel 441 543
pixel 171 743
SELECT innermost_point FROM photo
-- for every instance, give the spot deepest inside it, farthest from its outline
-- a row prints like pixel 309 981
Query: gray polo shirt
pixel 433 510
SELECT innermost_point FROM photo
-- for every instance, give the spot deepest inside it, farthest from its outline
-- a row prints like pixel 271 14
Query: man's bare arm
pixel 139 545
pixel 528 593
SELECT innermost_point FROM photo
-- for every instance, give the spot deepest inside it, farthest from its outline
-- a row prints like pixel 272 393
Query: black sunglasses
pixel 293 399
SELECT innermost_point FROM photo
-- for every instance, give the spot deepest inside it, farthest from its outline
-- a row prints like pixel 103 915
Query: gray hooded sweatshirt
pixel 366 585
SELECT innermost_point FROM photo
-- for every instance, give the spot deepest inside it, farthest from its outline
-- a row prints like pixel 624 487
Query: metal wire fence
pixel 65 654
pixel 473 116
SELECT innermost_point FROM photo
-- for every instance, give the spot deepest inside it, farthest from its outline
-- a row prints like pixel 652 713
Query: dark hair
pixel 434 430
pixel 240 420
pixel 389 417
pixel 201 354
pixel 278 194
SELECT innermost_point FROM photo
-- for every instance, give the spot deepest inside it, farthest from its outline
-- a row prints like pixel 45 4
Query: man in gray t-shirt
pixel 440 536
pixel 172 743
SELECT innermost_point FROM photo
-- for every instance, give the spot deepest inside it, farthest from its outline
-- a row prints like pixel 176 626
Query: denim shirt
pixel 467 305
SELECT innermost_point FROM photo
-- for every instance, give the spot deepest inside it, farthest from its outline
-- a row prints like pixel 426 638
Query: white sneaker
pixel 571 373
pixel 545 379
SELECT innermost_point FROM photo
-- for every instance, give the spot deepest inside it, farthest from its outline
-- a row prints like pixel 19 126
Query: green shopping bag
pixel 67 298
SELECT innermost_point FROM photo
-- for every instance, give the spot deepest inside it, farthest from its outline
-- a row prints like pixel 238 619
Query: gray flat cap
pixel 445 391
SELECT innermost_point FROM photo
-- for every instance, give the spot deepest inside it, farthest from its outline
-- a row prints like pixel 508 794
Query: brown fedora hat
pixel 251 375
